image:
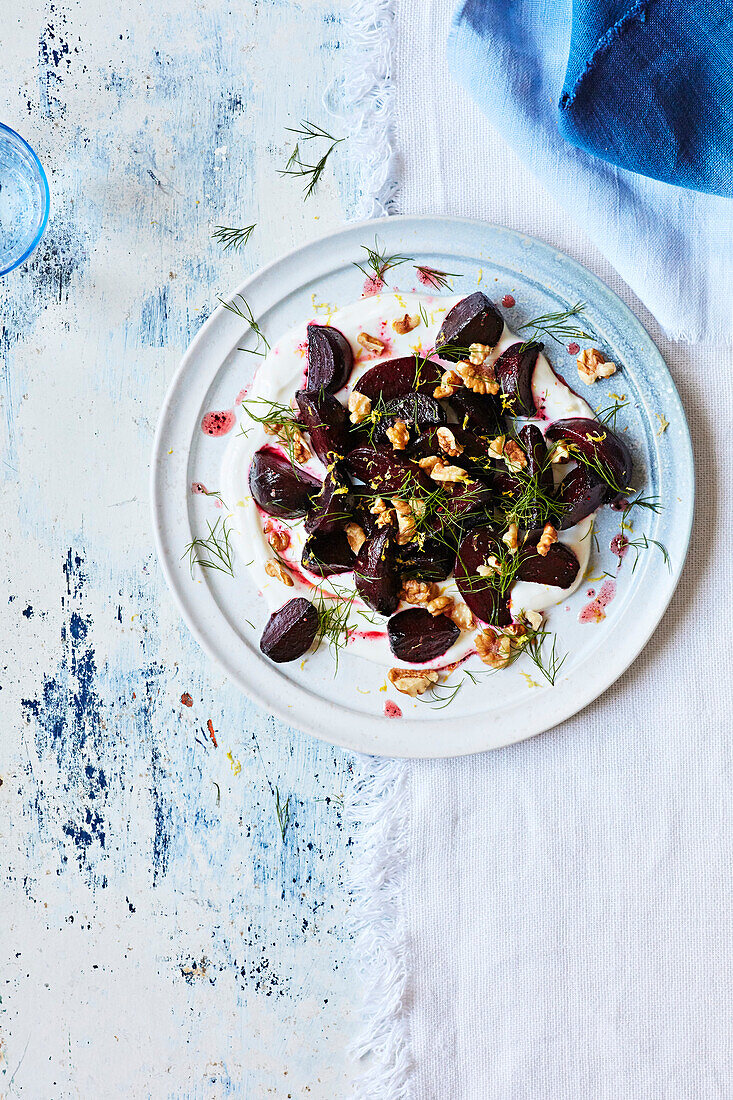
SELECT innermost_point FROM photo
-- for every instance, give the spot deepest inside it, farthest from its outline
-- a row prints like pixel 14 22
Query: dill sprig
pixel 432 277
pixel 296 166
pixel 335 610
pixel 644 543
pixel 277 420
pixel 214 551
pixel 282 810
pixel 608 414
pixel 551 665
pixel 423 315
pixel 232 238
pixel 244 311
pixel 600 468
pixel 556 326
pixel 378 263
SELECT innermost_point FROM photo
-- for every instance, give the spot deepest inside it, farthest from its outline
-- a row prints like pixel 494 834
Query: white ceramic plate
pixel 226 614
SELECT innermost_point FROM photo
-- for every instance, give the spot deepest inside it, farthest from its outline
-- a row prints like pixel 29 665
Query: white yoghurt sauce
pixel 282 373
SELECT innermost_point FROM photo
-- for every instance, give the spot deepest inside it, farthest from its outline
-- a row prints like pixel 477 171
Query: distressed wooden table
pixel 160 937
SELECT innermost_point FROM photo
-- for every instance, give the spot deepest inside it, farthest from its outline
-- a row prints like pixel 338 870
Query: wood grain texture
pixel 159 937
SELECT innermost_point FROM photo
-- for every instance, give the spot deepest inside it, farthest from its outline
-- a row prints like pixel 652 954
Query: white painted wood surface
pixel 157 936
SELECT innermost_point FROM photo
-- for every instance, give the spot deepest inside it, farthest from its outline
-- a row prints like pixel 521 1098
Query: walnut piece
pixel 398 434
pixel 359 407
pixel 448 442
pixel 278 571
pixel 511 538
pixel 549 535
pixel 450 381
pixel 533 619
pixel 496 447
pixel 492 567
pixel 419 592
pixel 477 379
pixel 278 540
pixel 429 462
pixel 478 353
pixel 560 452
pixel 378 506
pixel 439 472
pixel 386 518
pixel 355 536
pixel 441 605
pixel 514 456
pixel 405 521
pixel 301 450
pixel 412 681
pixel 462 616
pixel 494 650
pixel 592 365
pixel 371 343
pixel 406 324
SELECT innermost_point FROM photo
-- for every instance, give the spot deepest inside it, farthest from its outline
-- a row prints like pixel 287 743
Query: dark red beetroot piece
pixel 327 423
pixel 478 412
pixel 514 369
pixel 386 470
pixel 580 492
pixel 290 631
pixel 483 597
pixel 375 573
pixel 330 359
pixel 433 561
pixel 473 320
pixel 416 636
pixel 418 411
pixel 533 444
pixel 598 443
pixel 460 499
pixel 559 566
pixel 327 553
pixel 329 509
pixel 278 487
pixel 396 377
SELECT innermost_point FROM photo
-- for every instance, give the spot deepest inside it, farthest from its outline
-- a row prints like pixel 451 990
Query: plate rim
pixel 261 698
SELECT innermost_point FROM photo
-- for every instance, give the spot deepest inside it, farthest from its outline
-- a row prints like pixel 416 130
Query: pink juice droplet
pixel 218 422
pixel 241 396
pixel 619 547
pixel 373 286
pixel 573 348
pixel 595 611
pixel 391 710
pixel 508 301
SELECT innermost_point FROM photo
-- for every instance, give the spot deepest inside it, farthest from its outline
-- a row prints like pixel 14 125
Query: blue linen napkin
pixel 621 118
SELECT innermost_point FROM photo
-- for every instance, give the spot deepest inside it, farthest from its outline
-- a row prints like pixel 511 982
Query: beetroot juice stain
pixel 372 286
pixel 241 395
pixel 573 348
pixel 619 547
pixel 218 422
pixel 391 710
pixel 508 301
pixel 595 611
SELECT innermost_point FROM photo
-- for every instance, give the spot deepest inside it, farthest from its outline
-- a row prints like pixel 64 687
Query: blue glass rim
pixel 46 199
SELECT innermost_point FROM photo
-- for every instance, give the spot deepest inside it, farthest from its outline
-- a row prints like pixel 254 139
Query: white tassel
pixel 378 812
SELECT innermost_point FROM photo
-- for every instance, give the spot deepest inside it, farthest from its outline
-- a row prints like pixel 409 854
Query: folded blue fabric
pixel 644 92
pixel 649 87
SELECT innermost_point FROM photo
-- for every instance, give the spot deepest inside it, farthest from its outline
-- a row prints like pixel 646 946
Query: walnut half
pixel 412 681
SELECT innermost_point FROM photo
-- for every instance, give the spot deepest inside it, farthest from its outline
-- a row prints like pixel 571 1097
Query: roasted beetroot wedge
pixel 418 411
pixel 482 594
pixel 416 636
pixel 433 561
pixel 473 320
pixel 579 493
pixel 329 510
pixel 290 631
pixel 538 466
pixel 327 553
pixel 386 470
pixel 375 574
pixel 478 412
pixel 330 359
pixel 327 423
pixel 397 377
pixel 280 488
pixel 559 567
pixel 596 445
pixel 460 499
pixel 514 369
